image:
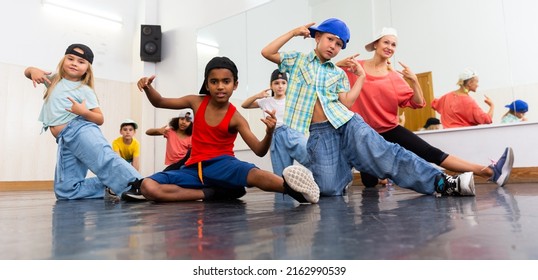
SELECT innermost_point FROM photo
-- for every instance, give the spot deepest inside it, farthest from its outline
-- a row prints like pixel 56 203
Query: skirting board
pixel 519 175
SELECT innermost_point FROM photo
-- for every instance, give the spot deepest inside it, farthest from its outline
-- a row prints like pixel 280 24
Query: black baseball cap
pixel 87 52
pixel 217 63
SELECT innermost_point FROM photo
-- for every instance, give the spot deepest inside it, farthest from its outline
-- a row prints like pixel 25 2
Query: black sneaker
pixel 299 184
pixel 134 193
pixel 459 185
pixel 223 194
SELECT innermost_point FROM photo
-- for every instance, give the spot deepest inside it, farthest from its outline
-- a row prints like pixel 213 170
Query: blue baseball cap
pixel 518 106
pixel 335 27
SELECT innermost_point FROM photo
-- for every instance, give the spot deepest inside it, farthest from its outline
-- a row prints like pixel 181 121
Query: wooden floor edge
pixel 519 175
pixel 26 185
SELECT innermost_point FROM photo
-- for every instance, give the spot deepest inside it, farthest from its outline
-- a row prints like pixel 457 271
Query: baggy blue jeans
pixel 82 147
pixel 288 145
pixel 333 152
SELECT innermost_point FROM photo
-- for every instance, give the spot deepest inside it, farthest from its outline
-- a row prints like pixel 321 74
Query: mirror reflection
pixel 441 38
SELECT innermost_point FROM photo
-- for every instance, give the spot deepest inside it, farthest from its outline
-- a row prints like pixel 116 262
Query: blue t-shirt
pixel 53 112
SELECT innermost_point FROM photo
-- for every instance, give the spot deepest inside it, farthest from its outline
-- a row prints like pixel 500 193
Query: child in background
pixel 126 145
pixel 516 112
pixel 287 144
pixel 71 112
pixel 178 140
pixel 212 171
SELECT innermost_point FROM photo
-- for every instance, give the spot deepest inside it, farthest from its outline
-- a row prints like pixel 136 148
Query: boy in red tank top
pixel 213 172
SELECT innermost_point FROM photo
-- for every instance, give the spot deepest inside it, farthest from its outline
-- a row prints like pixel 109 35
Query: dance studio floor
pixel 372 224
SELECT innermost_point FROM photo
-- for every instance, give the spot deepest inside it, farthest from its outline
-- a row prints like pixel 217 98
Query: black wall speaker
pixel 150 43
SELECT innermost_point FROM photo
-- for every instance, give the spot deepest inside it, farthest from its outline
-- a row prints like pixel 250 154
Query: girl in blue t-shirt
pixel 71 112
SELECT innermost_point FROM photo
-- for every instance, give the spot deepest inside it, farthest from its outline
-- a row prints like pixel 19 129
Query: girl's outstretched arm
pixel 156 131
pixel 37 75
pixel 251 101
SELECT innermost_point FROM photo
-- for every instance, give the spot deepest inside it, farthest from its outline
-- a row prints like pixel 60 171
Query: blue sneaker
pixel 502 168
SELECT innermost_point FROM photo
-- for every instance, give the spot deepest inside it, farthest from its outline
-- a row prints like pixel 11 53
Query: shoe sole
pixel 301 180
pixel 132 197
pixel 466 182
pixel 507 168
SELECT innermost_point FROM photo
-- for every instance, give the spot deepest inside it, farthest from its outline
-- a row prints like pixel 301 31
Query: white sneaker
pixel 459 185
pixel 299 184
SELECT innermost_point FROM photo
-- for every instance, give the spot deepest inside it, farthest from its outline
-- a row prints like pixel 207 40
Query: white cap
pixel 129 121
pixel 184 114
pixel 384 32
pixel 467 74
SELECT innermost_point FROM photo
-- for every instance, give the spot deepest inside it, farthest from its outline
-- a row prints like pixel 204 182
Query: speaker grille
pixel 150 43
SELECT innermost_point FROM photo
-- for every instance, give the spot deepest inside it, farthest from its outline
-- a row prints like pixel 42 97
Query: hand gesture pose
pixel 145 82
pixel 407 73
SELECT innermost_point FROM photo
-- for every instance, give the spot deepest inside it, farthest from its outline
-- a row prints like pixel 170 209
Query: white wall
pixel 177 74
pixel 39 39
pixel 485 143
pixel 493 36
pixel 35 37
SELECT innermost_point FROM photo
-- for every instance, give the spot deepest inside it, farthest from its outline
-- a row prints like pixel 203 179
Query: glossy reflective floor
pixel 376 224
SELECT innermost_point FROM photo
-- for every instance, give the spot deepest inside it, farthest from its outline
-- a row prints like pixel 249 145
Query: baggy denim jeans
pixel 333 152
pixel 82 147
pixel 288 145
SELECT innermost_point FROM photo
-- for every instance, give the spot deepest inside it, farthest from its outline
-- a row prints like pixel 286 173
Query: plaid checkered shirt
pixel 309 79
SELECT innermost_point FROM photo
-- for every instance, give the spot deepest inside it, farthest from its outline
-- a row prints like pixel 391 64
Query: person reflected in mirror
pixel 288 144
pixel 432 124
pixel 385 90
pixel 516 112
pixel 458 108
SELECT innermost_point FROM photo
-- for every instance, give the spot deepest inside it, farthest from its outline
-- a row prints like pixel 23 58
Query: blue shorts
pixel 223 171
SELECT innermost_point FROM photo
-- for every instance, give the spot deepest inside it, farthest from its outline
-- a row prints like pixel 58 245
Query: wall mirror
pixel 494 37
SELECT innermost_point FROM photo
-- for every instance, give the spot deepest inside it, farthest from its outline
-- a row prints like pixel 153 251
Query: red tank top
pixel 211 141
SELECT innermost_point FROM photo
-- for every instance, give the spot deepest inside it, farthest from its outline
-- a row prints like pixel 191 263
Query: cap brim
pixel 313 31
pixel 131 123
pixel 203 89
pixel 369 47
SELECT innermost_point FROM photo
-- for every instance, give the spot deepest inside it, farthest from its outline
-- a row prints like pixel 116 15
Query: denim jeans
pixel 333 152
pixel 82 147
pixel 288 145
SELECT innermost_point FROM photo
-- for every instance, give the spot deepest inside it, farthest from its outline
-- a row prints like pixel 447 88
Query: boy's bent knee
pixel 149 188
